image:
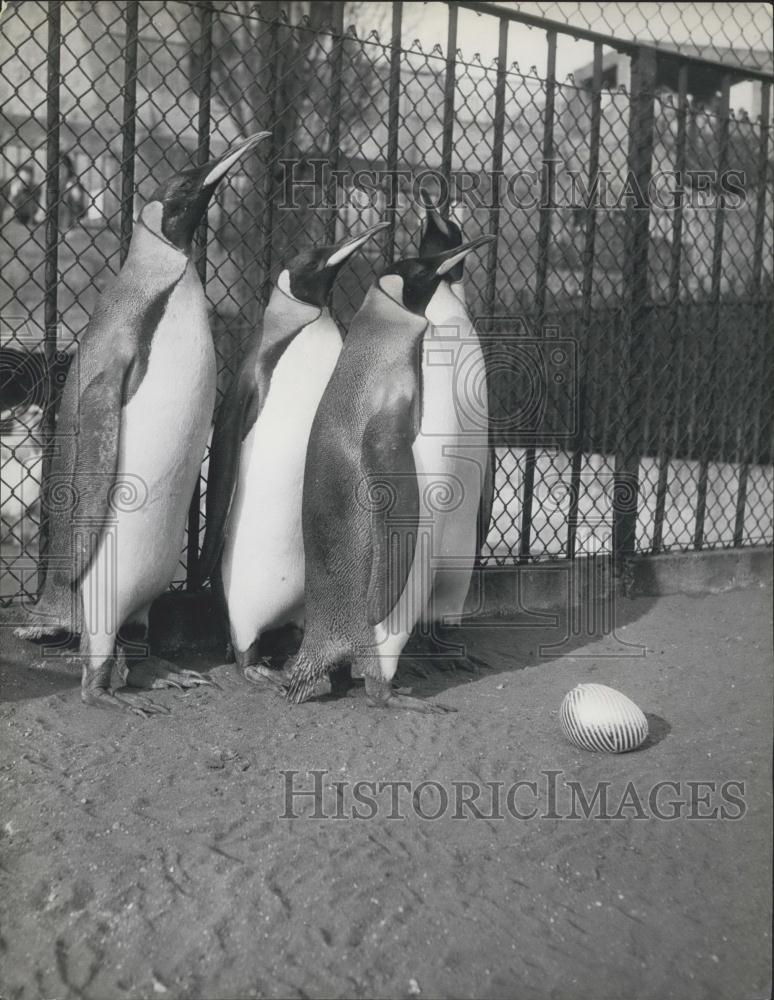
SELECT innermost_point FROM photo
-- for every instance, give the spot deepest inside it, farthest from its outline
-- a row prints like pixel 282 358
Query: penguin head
pixel 310 275
pixel 414 280
pixel 438 235
pixel 179 203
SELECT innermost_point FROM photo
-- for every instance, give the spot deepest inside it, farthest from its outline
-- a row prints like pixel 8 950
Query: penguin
pixel 253 548
pixel 387 502
pixel 455 334
pixel 134 418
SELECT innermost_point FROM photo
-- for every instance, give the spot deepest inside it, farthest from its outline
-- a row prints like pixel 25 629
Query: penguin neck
pixel 380 311
pixel 285 317
pixel 458 291
pixel 150 250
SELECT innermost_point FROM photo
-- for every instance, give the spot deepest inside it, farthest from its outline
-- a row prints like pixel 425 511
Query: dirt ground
pixel 148 858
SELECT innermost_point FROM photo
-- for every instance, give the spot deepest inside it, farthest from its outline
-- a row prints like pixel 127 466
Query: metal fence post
pixel 668 421
pixel 497 167
pixel 393 123
pixel 541 276
pixel 449 92
pixel 128 145
pixel 707 429
pixel 747 451
pixel 270 153
pixel 334 123
pixel 200 254
pixel 636 300
pixel 51 268
pixel 586 300
pixel 203 124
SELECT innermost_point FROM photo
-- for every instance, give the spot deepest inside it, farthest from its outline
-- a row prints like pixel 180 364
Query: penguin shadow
pixel 479 647
pixel 25 673
pixel 460 655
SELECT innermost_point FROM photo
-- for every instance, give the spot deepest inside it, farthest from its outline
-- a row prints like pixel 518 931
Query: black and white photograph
pixel 386 500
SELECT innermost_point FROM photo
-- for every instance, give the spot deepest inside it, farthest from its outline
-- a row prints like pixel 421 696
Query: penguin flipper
pixel 393 496
pixel 237 413
pixel 94 483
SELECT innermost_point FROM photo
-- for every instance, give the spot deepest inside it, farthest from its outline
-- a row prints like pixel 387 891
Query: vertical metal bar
pixel 393 123
pixel 669 419
pixel 636 303
pixel 586 301
pixel 692 320
pixel 51 269
pixel 760 208
pixel 128 145
pixel 544 237
pixel 706 432
pixel 200 250
pixel 334 120
pixel 748 437
pixel 449 91
pixel 203 124
pixel 544 224
pixel 270 152
pixel 498 140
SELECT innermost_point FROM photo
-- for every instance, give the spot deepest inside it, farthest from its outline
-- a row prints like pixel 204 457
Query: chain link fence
pixel 731 34
pixel 625 310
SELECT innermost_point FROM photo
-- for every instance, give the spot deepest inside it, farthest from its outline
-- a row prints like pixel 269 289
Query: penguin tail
pixel 38 631
pixel 304 677
pixel 43 620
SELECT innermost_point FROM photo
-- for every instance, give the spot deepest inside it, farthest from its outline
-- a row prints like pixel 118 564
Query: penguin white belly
pixel 163 436
pixel 263 556
pixel 452 446
pixel 450 454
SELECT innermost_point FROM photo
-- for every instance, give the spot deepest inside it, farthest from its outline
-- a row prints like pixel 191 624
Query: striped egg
pixel 596 717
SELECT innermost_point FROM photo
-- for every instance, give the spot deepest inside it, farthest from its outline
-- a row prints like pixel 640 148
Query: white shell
pixel 596 717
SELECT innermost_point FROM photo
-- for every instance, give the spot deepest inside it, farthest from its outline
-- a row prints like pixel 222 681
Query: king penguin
pixel 133 424
pixel 253 547
pixel 387 503
pixel 453 338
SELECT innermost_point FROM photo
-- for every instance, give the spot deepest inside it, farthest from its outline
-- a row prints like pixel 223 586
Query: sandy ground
pixel 147 858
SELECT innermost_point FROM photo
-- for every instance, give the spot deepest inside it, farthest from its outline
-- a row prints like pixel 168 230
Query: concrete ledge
pixel 527 593
pixel 709 572
pixel 532 588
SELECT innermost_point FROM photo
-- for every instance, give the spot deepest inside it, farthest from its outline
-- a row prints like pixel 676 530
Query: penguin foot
pixel 154 674
pixel 280 680
pixel 303 686
pixel 381 694
pixel 262 672
pixel 137 704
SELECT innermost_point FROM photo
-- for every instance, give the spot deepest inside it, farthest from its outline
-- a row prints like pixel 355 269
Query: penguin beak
pixel 218 168
pixel 343 250
pixel 440 222
pixel 446 261
pixel 434 216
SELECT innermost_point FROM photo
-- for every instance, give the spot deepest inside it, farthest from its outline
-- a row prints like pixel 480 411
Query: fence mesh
pixel 733 34
pixel 630 364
